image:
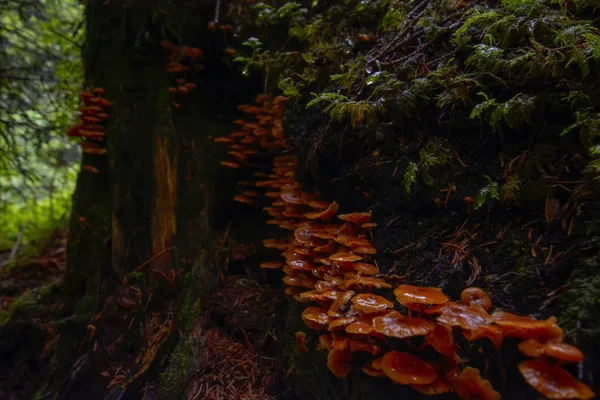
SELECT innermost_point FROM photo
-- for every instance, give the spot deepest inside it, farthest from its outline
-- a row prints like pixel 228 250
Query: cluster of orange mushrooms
pixel 177 56
pixel 93 115
pixel 330 266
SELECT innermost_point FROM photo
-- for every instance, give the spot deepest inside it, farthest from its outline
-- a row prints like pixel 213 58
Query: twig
pixel 153 258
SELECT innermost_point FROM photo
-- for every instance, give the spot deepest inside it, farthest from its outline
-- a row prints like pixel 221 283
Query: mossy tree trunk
pixel 155 195
pixel 127 212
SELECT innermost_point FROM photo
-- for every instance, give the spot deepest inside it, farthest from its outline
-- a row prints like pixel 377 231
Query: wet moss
pixel 22 304
pixel 197 286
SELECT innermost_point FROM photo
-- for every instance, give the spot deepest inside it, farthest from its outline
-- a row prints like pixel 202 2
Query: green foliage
pixel 510 191
pixel 40 73
pixel 433 155
pixel 291 13
pixel 353 70
pixel 410 176
pixel 256 59
pixel 513 112
pixel 341 107
pixel 488 191
pixel 394 19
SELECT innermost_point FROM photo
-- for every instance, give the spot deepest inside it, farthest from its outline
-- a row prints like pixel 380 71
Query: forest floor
pixel 30 302
pixel 237 347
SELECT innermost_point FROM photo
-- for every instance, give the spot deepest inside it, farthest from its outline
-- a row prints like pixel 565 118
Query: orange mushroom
pixel 357 218
pixel 406 369
pixel 315 318
pixel 229 164
pixel 524 327
pixel 441 339
pixel 470 386
pixel 338 362
pixel 552 381
pixel 474 295
pixel 365 268
pixel 301 342
pixel 492 332
pixel 363 326
pixel 560 351
pixel 397 325
pixel 374 369
pixel 243 200
pixel 454 314
pixel 345 256
pixel 417 298
pixel 367 281
pixel 469 201
pixel 370 303
pixel 325 214
pixel 563 352
pixel 272 265
pixel 89 168
pixel 339 302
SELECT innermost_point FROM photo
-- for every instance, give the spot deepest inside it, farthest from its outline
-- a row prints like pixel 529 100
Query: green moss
pixel 21 305
pixel 181 366
pixel 197 286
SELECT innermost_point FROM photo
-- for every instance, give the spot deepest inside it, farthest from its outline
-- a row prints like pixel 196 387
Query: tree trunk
pixel 140 228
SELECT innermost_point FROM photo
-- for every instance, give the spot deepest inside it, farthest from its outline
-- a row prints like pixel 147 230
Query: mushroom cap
pixel 272 265
pixel 327 248
pixel 339 302
pixel 470 386
pixel 300 263
pixel 229 164
pixel 367 281
pixel 552 381
pixel 440 386
pixel 292 197
pixel 243 199
pixel 357 345
pixel 338 362
pixel 341 323
pixel 526 327
pixel 357 218
pixel 441 339
pixel 318 204
pixel 476 296
pixel 561 351
pixel 531 348
pixel 345 256
pixel 321 296
pixel 325 342
pixel 455 314
pixel 406 369
pixel 325 214
pixel 397 325
pixel 363 326
pixel 365 268
pixel 91 169
pixel 301 342
pixel 494 333
pixel 371 303
pixel 223 139
pixel 370 370
pixel 368 249
pixel 315 318
pixel 407 294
